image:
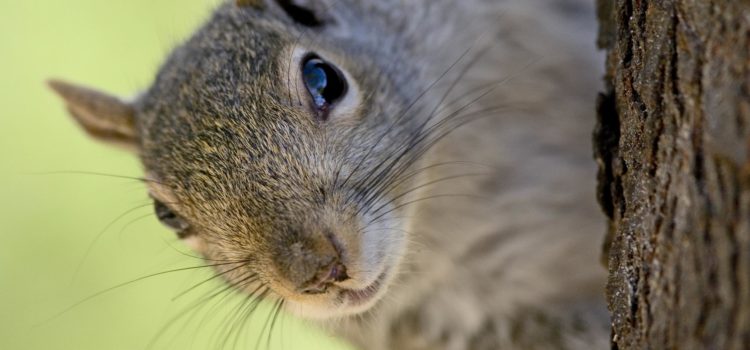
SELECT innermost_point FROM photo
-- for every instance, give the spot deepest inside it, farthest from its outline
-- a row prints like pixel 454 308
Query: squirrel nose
pixel 312 262
pixel 331 273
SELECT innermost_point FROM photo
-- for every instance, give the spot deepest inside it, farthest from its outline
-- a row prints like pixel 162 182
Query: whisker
pixel 215 276
pixel 421 139
pixel 222 336
pixel 396 179
pixel 253 305
pixel 369 184
pixel 402 114
pixel 98 236
pixel 425 143
pixel 131 222
pixel 273 321
pixel 427 198
pixel 429 183
pixel 196 306
pixel 223 301
pixel 191 309
pixel 233 322
pixel 94 173
pixel 107 290
pixel 265 325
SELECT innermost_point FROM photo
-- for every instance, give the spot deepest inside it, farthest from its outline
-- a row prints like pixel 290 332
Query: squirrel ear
pixel 104 117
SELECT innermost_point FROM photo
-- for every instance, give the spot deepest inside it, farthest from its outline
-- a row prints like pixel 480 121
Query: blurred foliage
pixel 48 220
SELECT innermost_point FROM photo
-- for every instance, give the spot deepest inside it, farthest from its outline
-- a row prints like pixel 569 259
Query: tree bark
pixel 673 147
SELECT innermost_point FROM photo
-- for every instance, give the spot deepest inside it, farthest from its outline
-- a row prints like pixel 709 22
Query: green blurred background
pixel 48 221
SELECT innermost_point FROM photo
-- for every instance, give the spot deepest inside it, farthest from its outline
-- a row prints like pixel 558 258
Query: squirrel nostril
pixel 338 273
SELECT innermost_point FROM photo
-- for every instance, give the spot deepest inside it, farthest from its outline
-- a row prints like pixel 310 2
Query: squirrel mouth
pixel 357 297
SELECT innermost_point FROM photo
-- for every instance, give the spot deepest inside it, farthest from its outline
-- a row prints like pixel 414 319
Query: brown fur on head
pixel 300 203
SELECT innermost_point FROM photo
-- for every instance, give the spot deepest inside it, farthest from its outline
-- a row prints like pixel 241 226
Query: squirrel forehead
pixel 228 69
pixel 231 48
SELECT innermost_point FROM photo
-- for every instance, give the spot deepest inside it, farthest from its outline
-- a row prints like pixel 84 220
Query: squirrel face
pixel 279 152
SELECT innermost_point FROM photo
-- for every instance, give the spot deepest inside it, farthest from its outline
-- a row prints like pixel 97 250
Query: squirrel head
pixel 278 141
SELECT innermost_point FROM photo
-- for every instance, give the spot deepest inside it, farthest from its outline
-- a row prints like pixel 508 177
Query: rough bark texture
pixel 673 145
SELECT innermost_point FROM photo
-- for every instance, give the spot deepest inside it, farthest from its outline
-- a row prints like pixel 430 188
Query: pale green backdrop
pixel 48 221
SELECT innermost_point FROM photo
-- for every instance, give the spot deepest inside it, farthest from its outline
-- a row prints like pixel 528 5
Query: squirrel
pixel 405 174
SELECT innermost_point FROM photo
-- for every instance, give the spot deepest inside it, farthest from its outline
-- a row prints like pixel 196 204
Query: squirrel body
pixel 409 174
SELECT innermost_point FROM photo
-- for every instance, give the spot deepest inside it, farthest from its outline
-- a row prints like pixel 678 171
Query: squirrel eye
pixel 324 82
pixel 169 219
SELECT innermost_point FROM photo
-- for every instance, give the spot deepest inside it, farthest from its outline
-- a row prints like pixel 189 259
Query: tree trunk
pixel 673 146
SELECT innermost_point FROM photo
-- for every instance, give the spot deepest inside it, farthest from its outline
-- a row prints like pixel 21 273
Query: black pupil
pixel 324 83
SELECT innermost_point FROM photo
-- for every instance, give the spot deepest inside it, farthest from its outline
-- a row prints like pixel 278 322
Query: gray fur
pixel 511 263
